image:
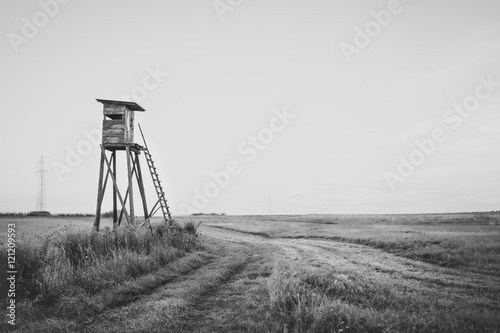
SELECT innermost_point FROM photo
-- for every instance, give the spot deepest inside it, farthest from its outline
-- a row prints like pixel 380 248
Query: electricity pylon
pixel 41 202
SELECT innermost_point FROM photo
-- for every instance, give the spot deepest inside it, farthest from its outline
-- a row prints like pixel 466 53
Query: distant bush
pixel 39 213
pixel 208 214
pixel 107 214
pixel 190 228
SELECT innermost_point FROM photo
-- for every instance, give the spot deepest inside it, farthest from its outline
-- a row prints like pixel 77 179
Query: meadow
pixel 408 273
pixel 470 241
pixel 73 273
pixel 311 273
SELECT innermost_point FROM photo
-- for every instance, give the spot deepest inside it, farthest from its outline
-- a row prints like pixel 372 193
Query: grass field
pixel 470 241
pixel 313 273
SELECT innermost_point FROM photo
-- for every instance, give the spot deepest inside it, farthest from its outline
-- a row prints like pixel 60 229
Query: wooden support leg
pixel 97 220
pixel 140 182
pixel 130 186
pixel 115 203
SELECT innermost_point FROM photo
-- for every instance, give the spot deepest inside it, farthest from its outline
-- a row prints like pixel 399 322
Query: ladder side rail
pixel 162 201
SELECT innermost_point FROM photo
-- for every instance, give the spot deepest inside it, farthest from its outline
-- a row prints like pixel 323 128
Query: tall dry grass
pixel 339 301
pixel 59 275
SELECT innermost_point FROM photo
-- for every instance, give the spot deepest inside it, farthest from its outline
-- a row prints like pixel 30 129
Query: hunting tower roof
pixel 133 106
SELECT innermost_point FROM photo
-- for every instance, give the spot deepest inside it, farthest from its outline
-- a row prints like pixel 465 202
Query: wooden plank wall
pixel 116 131
pixel 113 131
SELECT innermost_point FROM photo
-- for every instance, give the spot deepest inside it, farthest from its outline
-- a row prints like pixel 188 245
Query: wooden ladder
pixel 162 201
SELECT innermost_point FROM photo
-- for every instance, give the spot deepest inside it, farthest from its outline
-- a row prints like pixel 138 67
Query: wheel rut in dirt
pixel 182 304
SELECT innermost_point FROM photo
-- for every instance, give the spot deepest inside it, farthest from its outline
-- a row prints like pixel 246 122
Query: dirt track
pixel 210 298
pixel 378 265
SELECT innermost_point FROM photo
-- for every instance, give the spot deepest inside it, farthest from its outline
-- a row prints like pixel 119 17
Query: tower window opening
pixel 115 116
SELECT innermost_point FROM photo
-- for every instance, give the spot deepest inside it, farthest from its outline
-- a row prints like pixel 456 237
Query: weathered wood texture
pixel 114 109
pixel 116 131
pixel 100 190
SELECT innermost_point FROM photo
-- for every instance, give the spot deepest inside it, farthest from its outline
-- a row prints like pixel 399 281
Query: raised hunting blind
pixel 118 123
pixel 118 135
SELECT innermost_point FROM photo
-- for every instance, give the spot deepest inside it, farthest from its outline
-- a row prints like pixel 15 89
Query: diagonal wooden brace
pixel 103 152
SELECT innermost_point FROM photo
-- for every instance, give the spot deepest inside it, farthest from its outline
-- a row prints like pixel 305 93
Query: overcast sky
pixel 315 106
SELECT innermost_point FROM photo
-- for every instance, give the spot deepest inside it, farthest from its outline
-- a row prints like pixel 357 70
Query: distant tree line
pixel 12 214
pixel 44 213
pixel 74 215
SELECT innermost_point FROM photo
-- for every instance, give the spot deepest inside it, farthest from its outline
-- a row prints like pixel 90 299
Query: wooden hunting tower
pixel 118 134
pixel 118 123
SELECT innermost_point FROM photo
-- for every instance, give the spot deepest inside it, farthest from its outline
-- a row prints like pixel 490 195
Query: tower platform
pixel 135 147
